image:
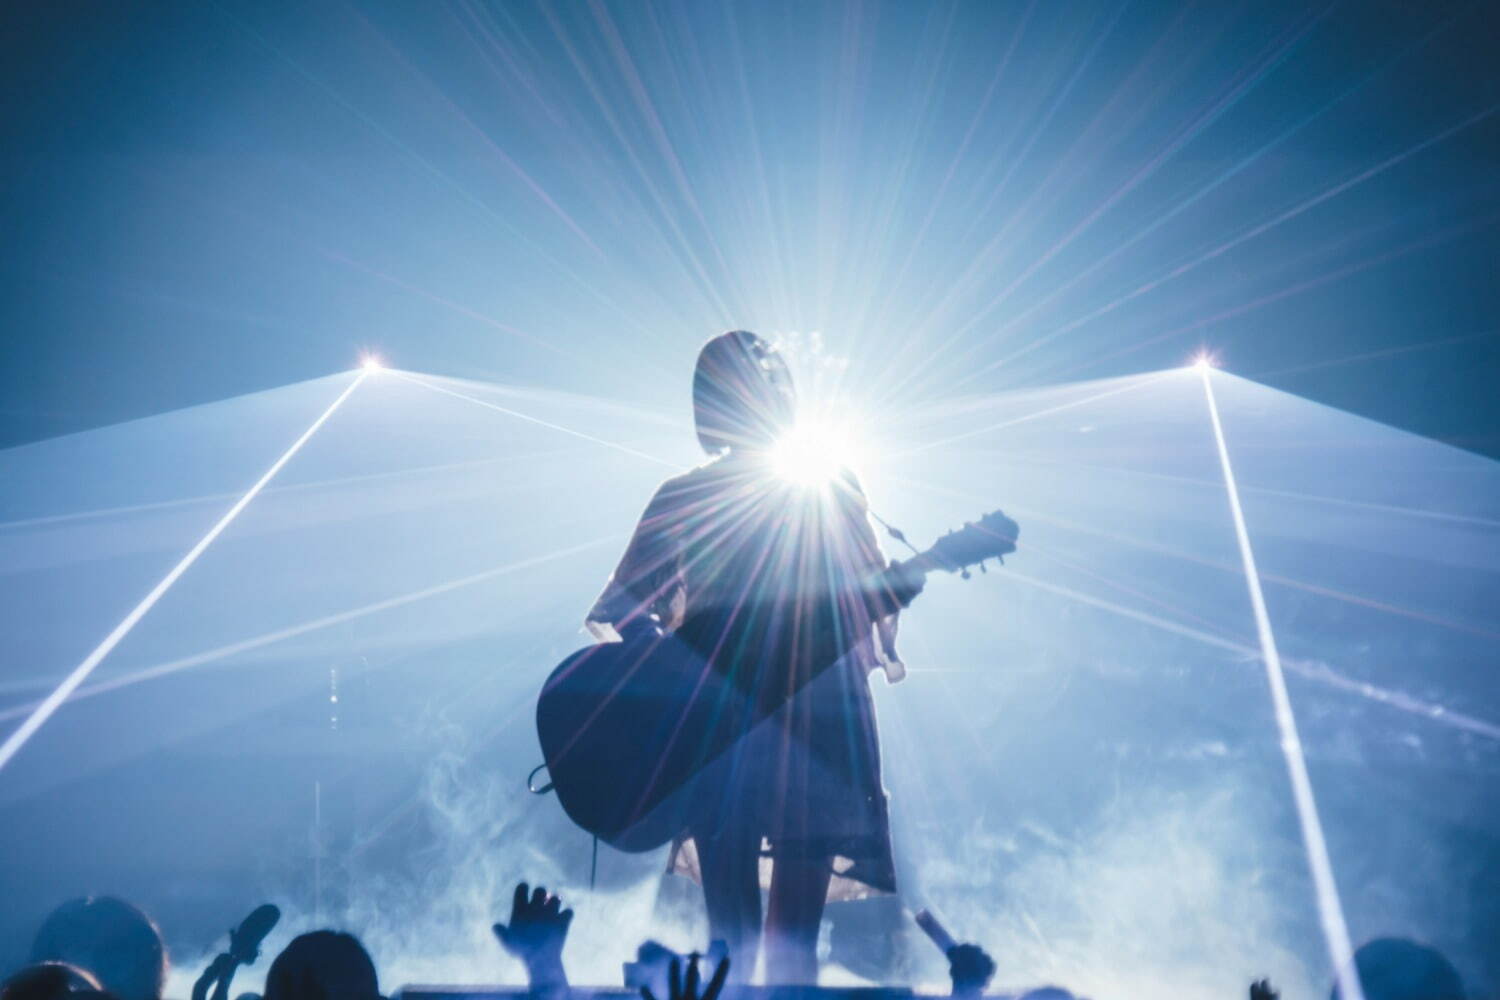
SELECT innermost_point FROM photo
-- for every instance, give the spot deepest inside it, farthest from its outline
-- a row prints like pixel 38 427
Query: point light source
pixel 813 453
pixel 371 363
pixel 1202 362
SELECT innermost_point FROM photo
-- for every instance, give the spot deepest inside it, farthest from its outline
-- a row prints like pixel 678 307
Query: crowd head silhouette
pixel 113 940
pixel 323 965
pixel 1401 969
pixel 103 948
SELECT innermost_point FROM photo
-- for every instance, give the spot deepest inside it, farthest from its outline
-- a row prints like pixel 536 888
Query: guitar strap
pixel 892 530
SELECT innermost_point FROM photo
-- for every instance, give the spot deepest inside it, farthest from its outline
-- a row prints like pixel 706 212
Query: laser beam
pixel 1330 910
pixel 303 628
pixel 43 711
pixel 535 420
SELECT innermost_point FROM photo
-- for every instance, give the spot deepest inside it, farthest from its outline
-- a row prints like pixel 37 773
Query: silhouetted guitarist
pixel 763 577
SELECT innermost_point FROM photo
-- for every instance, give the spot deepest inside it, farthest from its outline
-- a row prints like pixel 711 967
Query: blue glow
pixel 44 709
pixel 1001 244
pixel 1083 748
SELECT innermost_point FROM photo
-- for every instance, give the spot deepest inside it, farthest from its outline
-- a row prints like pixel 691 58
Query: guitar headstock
pixel 994 534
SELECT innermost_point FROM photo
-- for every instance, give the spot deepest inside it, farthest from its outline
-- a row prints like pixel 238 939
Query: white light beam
pixel 535 420
pixel 53 701
pixel 1330 910
pixel 302 628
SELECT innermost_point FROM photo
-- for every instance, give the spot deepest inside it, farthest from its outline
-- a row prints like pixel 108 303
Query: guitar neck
pixel 992 536
pixel 926 562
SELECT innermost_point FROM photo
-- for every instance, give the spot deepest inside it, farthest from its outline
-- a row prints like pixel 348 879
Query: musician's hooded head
pixel 743 395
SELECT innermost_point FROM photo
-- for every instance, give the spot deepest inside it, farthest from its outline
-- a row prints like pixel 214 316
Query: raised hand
pixel 1262 991
pixel 537 930
pixel 689 990
pixel 970 968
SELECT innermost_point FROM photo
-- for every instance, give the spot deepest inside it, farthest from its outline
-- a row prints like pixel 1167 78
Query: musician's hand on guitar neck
pixel 680 990
pixel 993 536
pixel 537 930
pixel 892 589
pixel 905 582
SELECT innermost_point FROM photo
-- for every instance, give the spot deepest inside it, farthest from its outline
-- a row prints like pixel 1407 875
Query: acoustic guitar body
pixel 634 733
pixel 626 728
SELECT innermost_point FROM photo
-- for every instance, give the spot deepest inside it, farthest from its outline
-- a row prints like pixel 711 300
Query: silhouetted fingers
pixel 674 979
pixel 538 897
pixel 519 902
pixel 690 989
pixel 646 993
pixel 1261 990
pixel 565 918
pixel 717 982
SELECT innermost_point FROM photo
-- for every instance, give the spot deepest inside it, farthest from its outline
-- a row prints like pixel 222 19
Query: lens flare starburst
pixel 814 452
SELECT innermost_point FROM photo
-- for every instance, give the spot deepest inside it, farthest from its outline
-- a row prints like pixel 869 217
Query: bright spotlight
pixel 813 453
pixel 371 363
pixel 1203 361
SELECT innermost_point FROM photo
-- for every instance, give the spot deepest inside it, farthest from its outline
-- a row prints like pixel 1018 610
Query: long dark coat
pixel 742 560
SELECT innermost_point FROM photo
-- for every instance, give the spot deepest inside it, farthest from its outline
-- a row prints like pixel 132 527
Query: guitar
pixel 628 728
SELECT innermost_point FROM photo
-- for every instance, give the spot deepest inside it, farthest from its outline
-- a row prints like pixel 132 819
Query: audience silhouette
pixel 323 965
pixel 103 948
pixel 111 939
pixel 970 968
pixel 537 931
pixel 1261 990
pixel 1401 969
pixel 50 981
pixel 686 988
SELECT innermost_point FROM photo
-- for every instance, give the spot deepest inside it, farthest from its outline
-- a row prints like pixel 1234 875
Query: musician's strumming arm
pixel 647 582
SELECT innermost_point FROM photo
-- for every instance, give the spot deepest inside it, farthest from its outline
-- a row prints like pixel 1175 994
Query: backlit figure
pixel 755 568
